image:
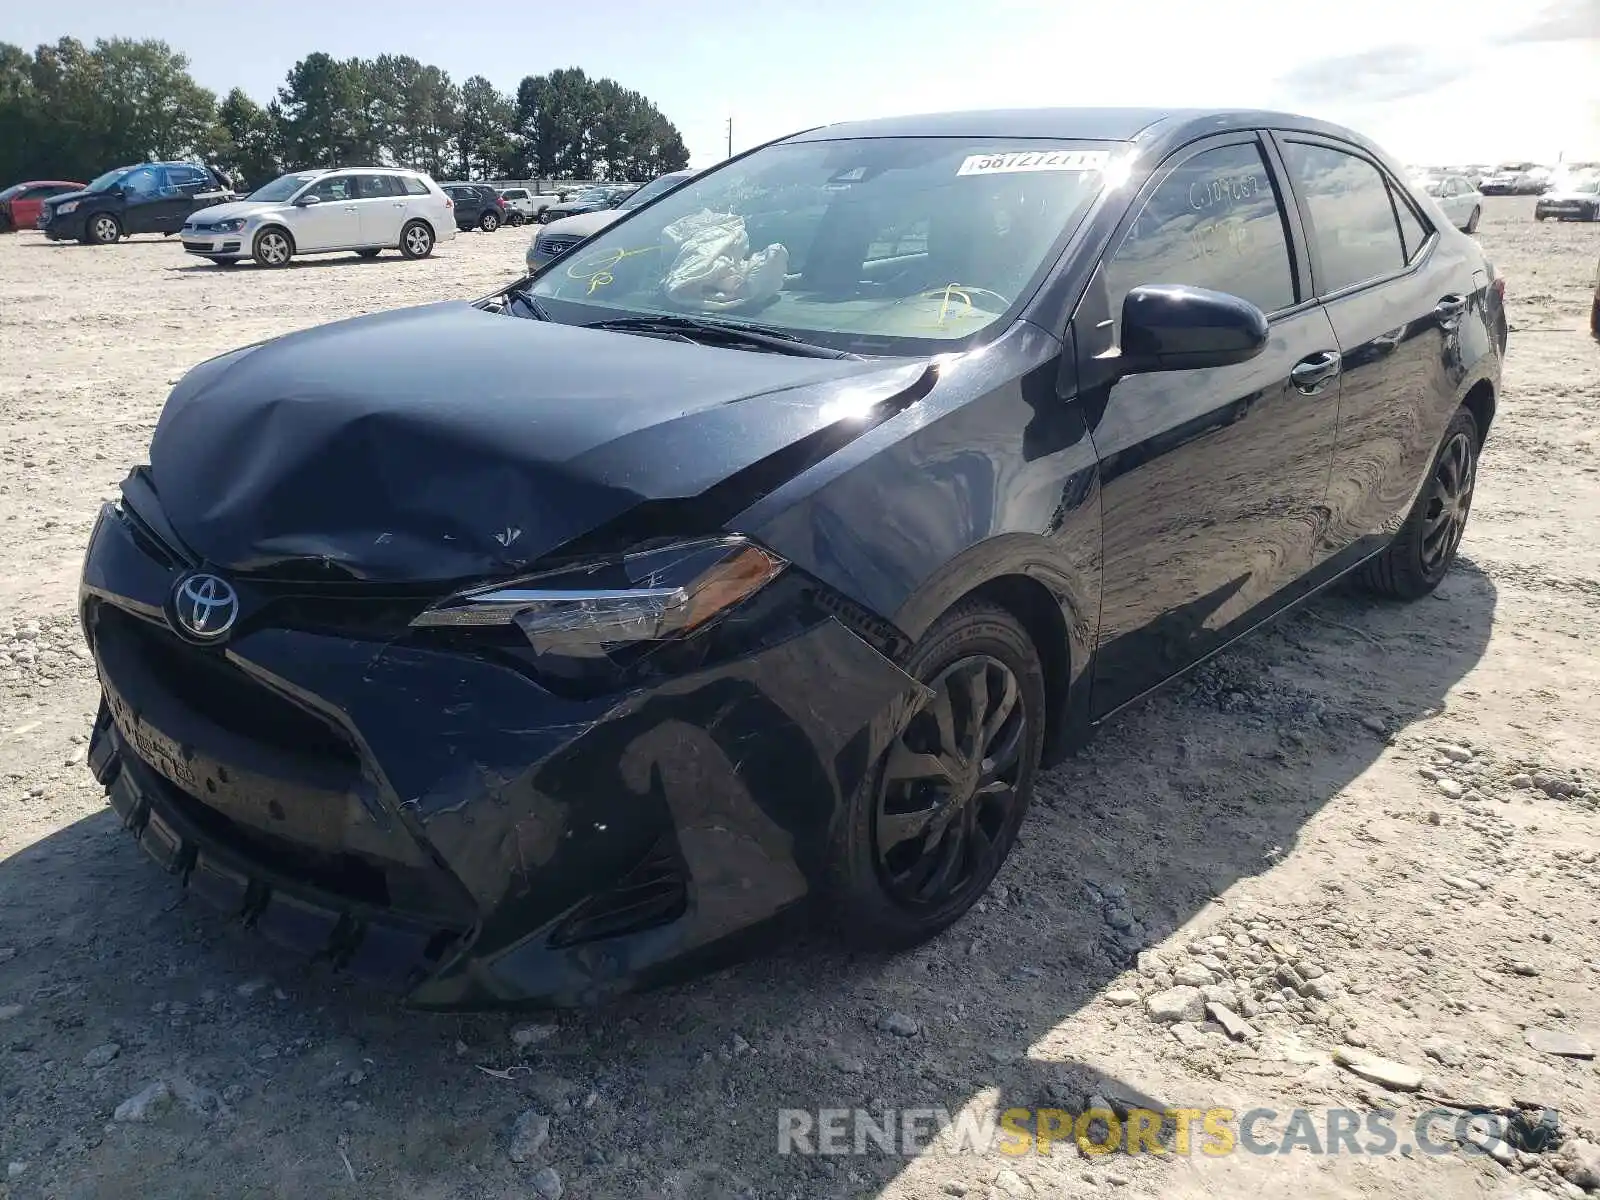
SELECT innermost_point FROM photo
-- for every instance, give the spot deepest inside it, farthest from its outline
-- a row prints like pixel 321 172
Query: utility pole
pixel 730 137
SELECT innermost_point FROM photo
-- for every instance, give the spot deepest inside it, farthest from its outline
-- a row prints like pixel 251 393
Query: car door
pixel 189 183
pixel 381 202
pixel 146 197
pixel 1396 293
pixel 1213 481
pixel 332 221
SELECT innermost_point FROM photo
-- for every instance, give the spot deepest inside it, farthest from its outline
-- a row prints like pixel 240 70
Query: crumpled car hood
pixel 446 442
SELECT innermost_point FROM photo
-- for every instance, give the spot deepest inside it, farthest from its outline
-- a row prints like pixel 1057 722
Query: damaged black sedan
pixel 753 559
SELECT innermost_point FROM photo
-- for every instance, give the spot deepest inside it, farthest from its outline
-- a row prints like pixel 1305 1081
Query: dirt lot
pixel 1391 811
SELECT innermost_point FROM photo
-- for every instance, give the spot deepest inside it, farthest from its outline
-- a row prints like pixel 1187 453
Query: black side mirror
pixel 1173 327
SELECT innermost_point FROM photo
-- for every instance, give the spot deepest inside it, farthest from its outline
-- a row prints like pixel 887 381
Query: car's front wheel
pixel 489 222
pixel 931 824
pixel 1421 552
pixel 416 240
pixel 272 247
pixel 104 229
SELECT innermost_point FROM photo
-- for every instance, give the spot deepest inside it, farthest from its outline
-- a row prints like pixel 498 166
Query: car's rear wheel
pixel 416 240
pixel 104 229
pixel 931 824
pixel 369 252
pixel 1420 554
pixel 272 247
pixel 1472 221
pixel 489 222
pixel 515 219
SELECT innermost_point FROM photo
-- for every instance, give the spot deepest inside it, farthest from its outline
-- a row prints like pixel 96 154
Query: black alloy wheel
pixel 931 824
pixel 1449 502
pixel 950 785
pixel 1420 553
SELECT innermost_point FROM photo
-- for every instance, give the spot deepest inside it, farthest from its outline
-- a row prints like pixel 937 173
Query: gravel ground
pixel 1372 829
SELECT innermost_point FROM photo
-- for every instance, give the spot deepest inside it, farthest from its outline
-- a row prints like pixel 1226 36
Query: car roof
pixel 1143 125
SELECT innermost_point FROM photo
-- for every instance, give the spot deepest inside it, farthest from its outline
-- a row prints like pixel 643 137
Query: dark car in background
pixel 20 203
pixel 778 541
pixel 477 205
pixel 146 198
pixel 1575 199
pixel 590 200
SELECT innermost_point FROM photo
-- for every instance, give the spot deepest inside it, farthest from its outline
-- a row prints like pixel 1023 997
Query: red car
pixel 19 203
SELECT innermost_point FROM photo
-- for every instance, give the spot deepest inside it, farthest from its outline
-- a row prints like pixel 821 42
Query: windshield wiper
pixel 721 333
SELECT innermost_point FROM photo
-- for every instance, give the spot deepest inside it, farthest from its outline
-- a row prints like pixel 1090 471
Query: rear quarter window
pixel 415 186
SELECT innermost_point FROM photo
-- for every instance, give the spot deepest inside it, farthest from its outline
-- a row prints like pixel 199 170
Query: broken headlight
pixel 649 595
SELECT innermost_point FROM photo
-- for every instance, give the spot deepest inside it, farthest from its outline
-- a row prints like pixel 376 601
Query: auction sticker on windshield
pixel 1035 160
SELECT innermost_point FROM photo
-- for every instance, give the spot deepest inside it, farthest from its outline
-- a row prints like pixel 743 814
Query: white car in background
pixel 362 209
pixel 524 205
pixel 1455 194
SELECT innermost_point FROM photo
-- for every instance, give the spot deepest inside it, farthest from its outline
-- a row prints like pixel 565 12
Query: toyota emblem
pixel 204 607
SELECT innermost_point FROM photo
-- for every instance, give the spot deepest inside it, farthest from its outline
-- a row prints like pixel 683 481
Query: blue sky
pixel 1457 81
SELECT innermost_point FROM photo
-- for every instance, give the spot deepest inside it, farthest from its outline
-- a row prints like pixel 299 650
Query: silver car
pixel 364 209
pixel 563 234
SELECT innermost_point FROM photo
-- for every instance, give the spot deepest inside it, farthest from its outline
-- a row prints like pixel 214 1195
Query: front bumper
pixel 69 228
pixel 448 824
pixel 209 244
pixel 1567 210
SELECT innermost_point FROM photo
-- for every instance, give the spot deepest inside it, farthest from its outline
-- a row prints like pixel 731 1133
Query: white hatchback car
pixel 364 209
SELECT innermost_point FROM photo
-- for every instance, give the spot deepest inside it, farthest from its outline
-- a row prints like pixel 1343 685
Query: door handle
pixel 1450 308
pixel 1314 372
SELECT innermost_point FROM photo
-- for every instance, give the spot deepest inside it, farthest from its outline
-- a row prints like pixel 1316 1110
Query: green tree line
pixel 71 111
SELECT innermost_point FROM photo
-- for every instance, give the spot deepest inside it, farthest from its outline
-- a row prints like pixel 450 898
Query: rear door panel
pixel 1402 359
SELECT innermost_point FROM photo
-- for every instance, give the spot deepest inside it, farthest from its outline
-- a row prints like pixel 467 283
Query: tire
pixel 273 247
pixel 369 252
pixel 416 239
pixel 1472 221
pixel 103 229
pixel 224 262
pixel 490 221
pixel 872 897
pixel 1539 216
pixel 1415 560
pixel 516 220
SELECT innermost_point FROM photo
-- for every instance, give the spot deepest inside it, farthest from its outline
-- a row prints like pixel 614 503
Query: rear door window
pixel 1215 222
pixel 373 187
pixel 1351 215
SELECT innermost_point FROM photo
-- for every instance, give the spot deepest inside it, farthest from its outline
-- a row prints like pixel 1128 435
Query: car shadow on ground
pixel 677 1093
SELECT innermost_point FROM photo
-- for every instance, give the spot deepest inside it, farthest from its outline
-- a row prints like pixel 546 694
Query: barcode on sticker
pixel 1035 160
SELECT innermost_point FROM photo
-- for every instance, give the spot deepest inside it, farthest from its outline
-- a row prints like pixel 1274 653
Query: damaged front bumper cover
pixel 447 823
